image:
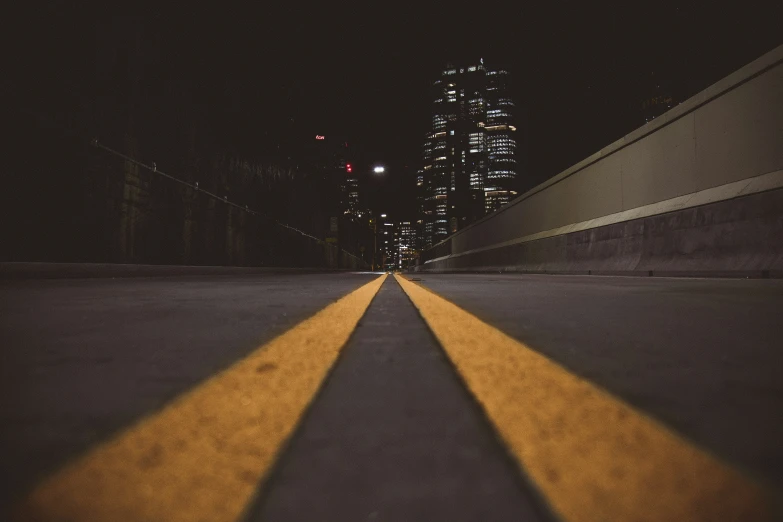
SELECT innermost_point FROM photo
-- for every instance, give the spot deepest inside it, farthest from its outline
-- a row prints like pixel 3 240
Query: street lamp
pixel 378 169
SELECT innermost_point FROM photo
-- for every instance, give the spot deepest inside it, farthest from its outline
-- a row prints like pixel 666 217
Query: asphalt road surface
pixel 396 428
pixel 705 356
pixel 83 358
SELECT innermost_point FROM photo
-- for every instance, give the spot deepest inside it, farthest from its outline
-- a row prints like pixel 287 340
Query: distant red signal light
pixel 348 168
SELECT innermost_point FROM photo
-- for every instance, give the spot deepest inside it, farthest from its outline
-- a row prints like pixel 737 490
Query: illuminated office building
pixel 350 193
pixel 405 244
pixel 469 155
pixel 387 230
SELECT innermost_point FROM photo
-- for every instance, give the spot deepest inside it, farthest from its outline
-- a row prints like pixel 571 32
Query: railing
pixel 76 199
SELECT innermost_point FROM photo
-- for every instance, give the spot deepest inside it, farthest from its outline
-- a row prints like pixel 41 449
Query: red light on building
pixel 348 168
pixel 319 137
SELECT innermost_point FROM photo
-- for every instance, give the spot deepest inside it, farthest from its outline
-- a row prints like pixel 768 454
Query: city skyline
pixel 469 164
pixel 237 88
pixel 350 78
pixel 384 261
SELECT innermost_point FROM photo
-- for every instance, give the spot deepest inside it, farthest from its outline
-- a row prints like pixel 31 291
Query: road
pixel 352 397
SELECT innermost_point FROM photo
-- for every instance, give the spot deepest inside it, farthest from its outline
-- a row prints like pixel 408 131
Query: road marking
pixel 204 455
pixel 592 456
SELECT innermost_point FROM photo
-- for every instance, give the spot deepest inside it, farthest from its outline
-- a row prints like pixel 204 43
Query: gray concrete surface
pixel 393 435
pixel 705 356
pixel 83 358
pixel 739 237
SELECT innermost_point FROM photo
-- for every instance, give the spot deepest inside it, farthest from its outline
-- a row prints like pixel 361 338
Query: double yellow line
pixel 203 457
pixel 592 456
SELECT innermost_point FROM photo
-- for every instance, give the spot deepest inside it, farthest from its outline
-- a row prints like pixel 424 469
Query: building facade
pixel 469 165
pixel 349 190
pixel 386 230
pixel 341 219
pixel 405 244
pixel 658 98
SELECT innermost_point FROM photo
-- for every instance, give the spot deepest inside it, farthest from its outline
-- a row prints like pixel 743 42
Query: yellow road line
pixel 592 456
pixel 204 455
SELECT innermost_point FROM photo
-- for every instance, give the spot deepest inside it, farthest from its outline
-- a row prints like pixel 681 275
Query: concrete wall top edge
pixel 757 67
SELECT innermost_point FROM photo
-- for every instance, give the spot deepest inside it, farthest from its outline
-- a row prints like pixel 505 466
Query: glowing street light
pixel 378 170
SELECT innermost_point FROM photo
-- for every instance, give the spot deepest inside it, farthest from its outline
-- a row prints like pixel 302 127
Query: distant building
pixel 350 193
pixel 330 156
pixel 405 244
pixel 326 153
pixel 335 180
pixel 501 145
pixel 420 198
pixel 658 99
pixel 469 156
pixel 385 253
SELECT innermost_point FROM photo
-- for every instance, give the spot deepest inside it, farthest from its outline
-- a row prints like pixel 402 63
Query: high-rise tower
pixel 469 156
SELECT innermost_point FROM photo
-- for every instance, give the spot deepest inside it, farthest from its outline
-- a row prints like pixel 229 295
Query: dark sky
pixel 580 70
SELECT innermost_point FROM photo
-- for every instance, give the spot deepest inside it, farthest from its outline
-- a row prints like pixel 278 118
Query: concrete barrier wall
pixel 697 153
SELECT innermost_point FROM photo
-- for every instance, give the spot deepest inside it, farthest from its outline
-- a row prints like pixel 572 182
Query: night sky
pixel 579 73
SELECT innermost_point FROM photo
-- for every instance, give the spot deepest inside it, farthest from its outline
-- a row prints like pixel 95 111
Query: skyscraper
pixel 469 156
pixel 386 230
pixel 501 144
pixel 405 244
pixel 350 192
